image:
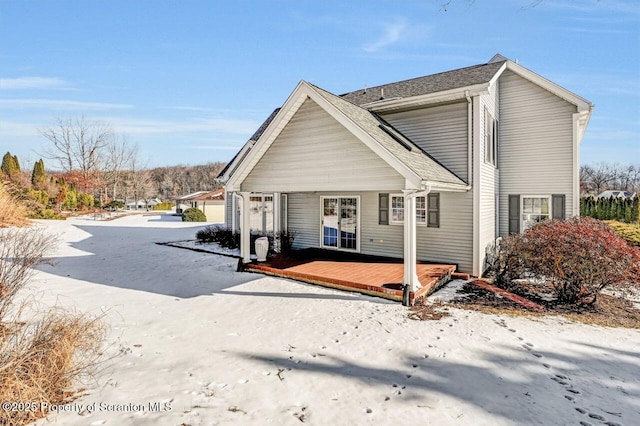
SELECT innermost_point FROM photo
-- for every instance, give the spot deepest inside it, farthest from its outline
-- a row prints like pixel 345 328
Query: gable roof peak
pixel 497 58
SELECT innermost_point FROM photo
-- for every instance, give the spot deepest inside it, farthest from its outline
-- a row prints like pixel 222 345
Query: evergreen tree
pixel 9 167
pixel 16 163
pixel 38 177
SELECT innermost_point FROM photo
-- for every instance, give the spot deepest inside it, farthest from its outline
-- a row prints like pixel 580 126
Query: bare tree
pixel 602 176
pixel 138 179
pixel 78 144
pixel 119 155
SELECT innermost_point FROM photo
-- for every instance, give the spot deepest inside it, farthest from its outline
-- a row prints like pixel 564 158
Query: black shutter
pixel 383 209
pixel 514 214
pixel 433 210
pixel 558 206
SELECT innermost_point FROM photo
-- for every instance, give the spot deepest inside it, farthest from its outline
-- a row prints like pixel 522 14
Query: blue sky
pixel 190 81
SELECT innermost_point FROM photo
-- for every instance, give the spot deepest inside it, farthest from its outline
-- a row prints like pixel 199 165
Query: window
pixel 534 210
pixel 261 212
pixel 490 138
pixel 427 210
pixel 397 208
pixel 421 210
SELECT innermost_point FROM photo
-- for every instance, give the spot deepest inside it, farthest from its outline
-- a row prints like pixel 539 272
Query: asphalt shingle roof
pixel 448 80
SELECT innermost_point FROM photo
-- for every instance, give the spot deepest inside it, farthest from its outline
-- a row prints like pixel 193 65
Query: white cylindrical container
pixel 262 248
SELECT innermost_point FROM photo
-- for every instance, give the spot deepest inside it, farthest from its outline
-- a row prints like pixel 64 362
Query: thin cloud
pixel 22 83
pixel 58 104
pixel 393 33
pixel 215 125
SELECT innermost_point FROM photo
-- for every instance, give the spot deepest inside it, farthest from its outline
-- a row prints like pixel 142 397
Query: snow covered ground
pixel 191 341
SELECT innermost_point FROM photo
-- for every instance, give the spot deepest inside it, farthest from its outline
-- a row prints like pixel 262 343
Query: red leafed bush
pixel 580 257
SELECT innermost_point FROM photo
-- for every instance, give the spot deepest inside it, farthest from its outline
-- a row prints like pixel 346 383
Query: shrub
pixel 217 234
pixel 115 204
pixel 285 241
pixel 163 206
pixel 40 213
pixel 629 231
pixel 193 215
pixel 580 257
pixel 42 357
pixel 85 200
pixel 12 212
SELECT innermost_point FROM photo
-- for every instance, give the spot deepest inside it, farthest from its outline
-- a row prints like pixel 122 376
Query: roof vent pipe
pixel 381 93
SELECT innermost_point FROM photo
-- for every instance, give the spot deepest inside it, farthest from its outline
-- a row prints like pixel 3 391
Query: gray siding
pixel 488 180
pixel 441 131
pixel 228 210
pixel 536 143
pixel 451 243
pixel 316 153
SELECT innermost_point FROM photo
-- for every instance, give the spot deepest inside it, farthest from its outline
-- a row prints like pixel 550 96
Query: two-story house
pixel 434 168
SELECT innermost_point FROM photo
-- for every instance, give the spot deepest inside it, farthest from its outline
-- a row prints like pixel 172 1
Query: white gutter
pixel 430 98
pixel 469 136
pixel 451 187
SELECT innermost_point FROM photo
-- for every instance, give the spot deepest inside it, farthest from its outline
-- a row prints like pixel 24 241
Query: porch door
pixel 340 222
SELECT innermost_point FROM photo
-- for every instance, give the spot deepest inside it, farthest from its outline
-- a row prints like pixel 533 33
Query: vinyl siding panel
pixel 441 131
pixel 536 143
pixel 228 218
pixel 450 243
pixel 488 179
pixel 316 153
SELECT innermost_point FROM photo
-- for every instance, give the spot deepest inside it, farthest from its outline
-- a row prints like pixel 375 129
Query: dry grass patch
pixel 423 310
pixel 42 361
pixel 44 355
pixel 12 213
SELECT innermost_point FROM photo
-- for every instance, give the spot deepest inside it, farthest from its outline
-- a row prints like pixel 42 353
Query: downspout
pixel 467 94
pixel 410 272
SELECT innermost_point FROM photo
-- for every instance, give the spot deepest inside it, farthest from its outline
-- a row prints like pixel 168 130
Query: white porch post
pixel 277 226
pixel 410 279
pixel 245 228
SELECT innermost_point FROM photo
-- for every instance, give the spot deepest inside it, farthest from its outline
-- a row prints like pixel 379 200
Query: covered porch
pixel 345 181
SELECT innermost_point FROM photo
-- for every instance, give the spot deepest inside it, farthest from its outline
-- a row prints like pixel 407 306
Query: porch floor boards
pixel 374 276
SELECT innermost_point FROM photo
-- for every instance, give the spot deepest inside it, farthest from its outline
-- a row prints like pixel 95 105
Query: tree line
pixel 86 157
pixel 596 178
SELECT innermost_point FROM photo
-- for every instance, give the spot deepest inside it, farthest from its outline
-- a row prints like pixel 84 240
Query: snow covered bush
pixel 580 257
pixel 193 215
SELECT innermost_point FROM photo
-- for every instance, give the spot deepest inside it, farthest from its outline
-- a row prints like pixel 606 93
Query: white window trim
pixel 490 139
pixel 401 222
pixel 358 227
pixel 522 197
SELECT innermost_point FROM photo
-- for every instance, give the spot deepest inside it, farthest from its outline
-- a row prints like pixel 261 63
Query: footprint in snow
pixel 585 424
pixel 537 355
pixel 597 417
pixel 581 410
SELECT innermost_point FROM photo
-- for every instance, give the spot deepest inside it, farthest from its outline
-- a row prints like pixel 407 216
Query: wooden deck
pixel 373 276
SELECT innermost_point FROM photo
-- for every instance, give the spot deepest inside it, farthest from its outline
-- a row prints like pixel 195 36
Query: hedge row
pixel 623 210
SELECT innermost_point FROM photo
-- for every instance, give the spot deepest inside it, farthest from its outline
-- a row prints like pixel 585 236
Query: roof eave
pixel 429 98
pixel 581 103
pixel 446 186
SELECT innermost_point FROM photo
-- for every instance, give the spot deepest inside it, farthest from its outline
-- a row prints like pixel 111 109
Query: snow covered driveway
pixel 194 342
